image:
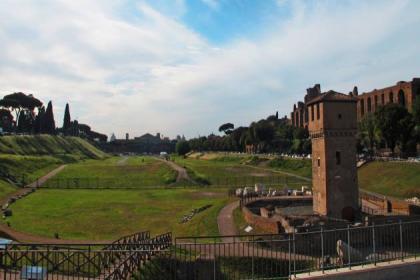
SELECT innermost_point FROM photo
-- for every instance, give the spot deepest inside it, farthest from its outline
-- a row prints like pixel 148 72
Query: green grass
pixel 396 179
pixel 48 145
pixel 5 188
pixel 109 214
pixel 301 167
pixel 27 168
pixel 216 169
pixel 233 171
pixel 23 159
pixel 120 172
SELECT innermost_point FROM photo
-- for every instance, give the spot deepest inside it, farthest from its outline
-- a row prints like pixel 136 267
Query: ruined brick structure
pixel 332 124
pixel 403 93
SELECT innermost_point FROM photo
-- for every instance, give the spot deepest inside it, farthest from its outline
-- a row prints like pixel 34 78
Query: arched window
pixel 383 99
pixel 376 102
pixel 362 107
pixel 369 105
pixel 391 97
pixel 401 98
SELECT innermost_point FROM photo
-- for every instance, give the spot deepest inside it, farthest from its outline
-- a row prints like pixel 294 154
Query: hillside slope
pixel 398 179
pixel 23 159
pixel 48 145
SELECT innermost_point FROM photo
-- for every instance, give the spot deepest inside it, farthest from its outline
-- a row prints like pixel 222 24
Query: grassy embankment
pixel 25 158
pixel 130 172
pixel 220 169
pixel 398 179
pixel 109 214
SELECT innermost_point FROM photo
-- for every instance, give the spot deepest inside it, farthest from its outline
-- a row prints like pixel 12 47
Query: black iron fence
pixel 283 256
pixel 223 182
pixel 119 260
pixel 270 256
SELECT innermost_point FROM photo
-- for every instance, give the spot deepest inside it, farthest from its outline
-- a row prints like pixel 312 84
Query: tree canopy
pixel 226 128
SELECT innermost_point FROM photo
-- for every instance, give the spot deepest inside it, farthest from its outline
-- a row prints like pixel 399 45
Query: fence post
pixel 252 257
pixel 401 241
pixel 214 259
pixel 294 251
pixel 290 261
pixel 348 242
pixel 373 243
pixel 322 249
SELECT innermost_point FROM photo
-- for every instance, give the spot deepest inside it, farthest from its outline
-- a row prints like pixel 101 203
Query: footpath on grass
pixel 182 172
pixel 13 234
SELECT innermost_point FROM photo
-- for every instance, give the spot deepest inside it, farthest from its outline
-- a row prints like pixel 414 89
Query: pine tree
pixel 67 120
pixel 48 123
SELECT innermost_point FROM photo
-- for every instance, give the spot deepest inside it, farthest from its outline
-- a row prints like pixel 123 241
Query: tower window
pixel 339 116
pixel 312 113
pixel 318 114
pixel 338 158
pixel 319 162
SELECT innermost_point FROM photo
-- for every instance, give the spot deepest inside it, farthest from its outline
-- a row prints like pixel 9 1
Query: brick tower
pixel 332 128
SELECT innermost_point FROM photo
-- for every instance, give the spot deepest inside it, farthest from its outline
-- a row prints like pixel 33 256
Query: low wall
pixel 267 224
pixel 273 224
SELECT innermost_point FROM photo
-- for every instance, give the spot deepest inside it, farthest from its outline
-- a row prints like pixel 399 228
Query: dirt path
pixel 225 221
pixel 281 172
pixel 122 161
pixel 182 172
pixel 11 233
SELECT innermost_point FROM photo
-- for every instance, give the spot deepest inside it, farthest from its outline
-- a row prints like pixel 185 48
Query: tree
pixel 182 147
pixel 392 123
pixel 226 128
pixel 18 102
pixel 67 120
pixel 37 127
pixel 368 132
pixel 48 122
pixel 6 120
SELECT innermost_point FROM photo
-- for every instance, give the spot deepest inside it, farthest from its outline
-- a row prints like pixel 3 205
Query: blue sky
pixel 187 66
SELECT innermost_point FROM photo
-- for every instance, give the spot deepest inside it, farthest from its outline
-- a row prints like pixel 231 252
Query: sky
pixel 187 66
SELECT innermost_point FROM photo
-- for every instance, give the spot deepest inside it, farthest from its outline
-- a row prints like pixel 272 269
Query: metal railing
pixel 223 182
pixel 267 256
pixel 119 260
pixel 283 256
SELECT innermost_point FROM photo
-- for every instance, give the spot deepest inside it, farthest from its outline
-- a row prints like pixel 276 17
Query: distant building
pixel 113 138
pixel 402 93
pixel 127 136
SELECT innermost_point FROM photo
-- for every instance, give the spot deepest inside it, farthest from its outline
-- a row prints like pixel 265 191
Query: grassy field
pixel 396 179
pixel 301 167
pixel 232 170
pixel 109 214
pixel 23 159
pixel 135 171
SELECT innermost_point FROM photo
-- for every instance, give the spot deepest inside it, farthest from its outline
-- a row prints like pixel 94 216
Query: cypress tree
pixel 48 124
pixel 39 120
pixel 67 120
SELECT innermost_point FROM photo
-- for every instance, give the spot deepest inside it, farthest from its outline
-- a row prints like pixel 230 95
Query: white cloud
pixel 149 72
